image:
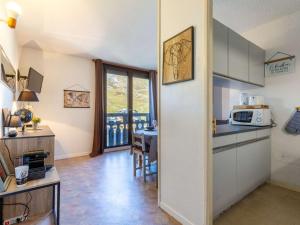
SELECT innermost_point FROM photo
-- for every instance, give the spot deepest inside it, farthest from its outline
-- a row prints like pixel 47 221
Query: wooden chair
pixel 140 155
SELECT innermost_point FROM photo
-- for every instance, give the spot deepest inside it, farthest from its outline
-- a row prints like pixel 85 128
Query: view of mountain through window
pixel 140 95
pixel 117 94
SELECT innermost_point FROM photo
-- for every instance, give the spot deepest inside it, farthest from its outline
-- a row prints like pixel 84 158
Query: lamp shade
pixel 13 121
pixel 28 96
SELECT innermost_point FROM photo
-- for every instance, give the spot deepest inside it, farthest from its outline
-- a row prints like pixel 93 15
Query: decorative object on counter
pixel 25 113
pixel 178 57
pixel 79 98
pixel 12 123
pixel 293 125
pixel 35 122
pixel 5 176
pixel 279 66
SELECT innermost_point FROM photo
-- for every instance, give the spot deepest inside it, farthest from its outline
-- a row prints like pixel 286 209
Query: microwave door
pixel 243 116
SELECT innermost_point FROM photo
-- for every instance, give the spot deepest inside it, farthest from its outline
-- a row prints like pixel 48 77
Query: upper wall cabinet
pixel 237 58
pixel 220 48
pixel 256 64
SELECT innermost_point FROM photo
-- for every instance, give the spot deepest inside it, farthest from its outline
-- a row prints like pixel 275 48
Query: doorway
pixel 127 104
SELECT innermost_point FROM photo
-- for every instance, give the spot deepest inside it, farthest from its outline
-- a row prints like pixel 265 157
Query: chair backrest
pixel 138 141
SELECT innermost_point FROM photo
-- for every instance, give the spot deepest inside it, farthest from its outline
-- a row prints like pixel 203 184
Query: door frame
pixel 130 72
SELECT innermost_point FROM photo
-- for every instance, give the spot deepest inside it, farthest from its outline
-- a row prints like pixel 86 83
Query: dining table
pixel 151 141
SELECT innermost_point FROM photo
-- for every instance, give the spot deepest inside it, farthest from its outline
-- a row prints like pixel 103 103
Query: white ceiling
pixel 122 31
pixel 244 15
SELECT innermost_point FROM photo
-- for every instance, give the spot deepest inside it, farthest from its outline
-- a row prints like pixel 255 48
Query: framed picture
pixel 76 99
pixel 178 57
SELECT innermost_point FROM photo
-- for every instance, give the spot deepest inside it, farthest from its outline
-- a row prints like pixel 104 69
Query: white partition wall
pixel 184 117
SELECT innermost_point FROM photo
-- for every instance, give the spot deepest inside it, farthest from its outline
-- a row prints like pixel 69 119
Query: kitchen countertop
pixel 228 129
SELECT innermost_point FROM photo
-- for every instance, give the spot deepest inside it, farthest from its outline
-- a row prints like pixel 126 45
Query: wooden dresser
pixel 31 140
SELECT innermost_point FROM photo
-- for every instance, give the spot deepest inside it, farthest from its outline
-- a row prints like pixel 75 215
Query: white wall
pixel 282 94
pixel 183 116
pixel 73 127
pixel 9 45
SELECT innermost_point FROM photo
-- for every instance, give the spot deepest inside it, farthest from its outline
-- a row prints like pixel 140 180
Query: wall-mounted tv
pixel 35 80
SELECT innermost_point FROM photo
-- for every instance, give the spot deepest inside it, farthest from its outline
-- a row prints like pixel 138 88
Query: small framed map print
pixel 178 57
pixel 76 99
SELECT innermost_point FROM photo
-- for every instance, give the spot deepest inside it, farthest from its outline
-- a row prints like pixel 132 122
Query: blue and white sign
pixel 281 67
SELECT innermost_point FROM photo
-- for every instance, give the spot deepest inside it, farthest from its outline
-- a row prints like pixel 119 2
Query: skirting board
pixel 174 214
pixel 70 155
pixel 284 185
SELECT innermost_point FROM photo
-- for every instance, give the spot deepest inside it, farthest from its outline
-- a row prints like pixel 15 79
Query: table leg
pixel 140 161
pixel 58 204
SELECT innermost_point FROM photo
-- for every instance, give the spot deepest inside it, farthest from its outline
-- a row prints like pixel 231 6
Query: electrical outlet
pixel 17 219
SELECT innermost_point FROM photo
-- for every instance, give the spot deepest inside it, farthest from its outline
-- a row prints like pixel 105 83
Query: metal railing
pixel 117 127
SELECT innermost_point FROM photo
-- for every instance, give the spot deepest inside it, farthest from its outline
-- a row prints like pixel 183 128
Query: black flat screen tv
pixel 35 80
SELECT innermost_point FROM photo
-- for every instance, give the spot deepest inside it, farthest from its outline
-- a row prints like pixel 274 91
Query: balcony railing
pixel 117 127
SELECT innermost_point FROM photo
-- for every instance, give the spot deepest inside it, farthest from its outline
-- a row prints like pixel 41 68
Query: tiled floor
pixel 103 191
pixel 268 205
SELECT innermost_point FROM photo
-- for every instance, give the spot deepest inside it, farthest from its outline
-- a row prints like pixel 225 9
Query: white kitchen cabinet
pixel 265 159
pixel 225 188
pixel 240 164
pixel 238 58
pixel 256 65
pixel 220 46
pixel 253 165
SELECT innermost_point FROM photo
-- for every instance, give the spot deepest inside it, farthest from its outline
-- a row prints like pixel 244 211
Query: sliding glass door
pixel 126 104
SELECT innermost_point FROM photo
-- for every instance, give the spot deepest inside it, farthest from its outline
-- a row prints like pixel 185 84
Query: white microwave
pixel 252 117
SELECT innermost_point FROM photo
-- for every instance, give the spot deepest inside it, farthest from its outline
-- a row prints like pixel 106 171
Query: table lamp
pixel 13 122
pixel 25 113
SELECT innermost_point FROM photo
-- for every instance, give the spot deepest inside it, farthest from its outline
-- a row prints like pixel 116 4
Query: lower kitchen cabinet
pixel 225 180
pixel 239 170
pixel 253 165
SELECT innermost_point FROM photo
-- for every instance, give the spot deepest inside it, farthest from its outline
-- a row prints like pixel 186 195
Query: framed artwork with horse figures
pixel 178 57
